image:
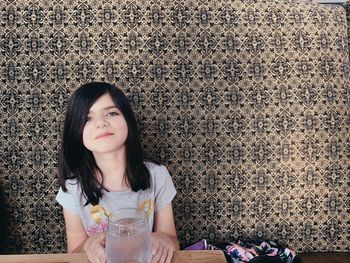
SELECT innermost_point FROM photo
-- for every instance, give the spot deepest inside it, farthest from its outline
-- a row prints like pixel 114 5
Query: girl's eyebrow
pixel 107 108
pixel 110 107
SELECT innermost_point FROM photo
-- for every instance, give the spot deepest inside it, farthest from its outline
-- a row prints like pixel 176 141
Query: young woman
pixel 102 169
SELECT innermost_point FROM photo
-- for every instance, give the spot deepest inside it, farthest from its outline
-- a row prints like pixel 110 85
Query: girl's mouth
pixel 104 135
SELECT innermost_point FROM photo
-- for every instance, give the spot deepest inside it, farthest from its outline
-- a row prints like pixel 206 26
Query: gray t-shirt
pixel 94 218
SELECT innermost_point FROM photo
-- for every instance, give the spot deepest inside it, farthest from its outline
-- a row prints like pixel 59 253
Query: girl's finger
pixel 164 255
pixel 170 255
pixel 155 247
pixel 103 238
pixel 158 254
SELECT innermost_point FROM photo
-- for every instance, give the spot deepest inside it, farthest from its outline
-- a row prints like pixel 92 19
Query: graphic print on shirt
pixel 99 214
pixel 147 206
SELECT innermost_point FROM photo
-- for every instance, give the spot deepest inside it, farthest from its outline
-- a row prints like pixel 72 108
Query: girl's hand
pixel 94 248
pixel 162 248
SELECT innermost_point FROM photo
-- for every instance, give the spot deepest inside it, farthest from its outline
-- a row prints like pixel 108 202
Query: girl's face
pixel 105 129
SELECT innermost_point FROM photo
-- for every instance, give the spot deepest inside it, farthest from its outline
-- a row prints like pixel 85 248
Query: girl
pixel 102 169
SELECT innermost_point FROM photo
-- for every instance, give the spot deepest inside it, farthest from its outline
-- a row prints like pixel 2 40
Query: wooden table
pixel 198 256
pixel 324 257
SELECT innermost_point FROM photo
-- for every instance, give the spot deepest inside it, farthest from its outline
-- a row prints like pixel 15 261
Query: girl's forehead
pixel 102 103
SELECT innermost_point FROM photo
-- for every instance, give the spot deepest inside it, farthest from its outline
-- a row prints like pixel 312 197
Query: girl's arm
pixel 164 238
pixel 79 241
pixel 76 235
pixel 164 222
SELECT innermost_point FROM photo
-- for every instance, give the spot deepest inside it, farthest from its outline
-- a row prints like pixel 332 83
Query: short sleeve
pixel 68 200
pixel 165 189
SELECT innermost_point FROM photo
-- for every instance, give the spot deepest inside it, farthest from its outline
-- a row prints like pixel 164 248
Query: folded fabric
pixel 256 251
pixel 201 245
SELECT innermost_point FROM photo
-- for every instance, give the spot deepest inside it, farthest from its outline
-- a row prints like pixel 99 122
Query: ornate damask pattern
pixel 246 102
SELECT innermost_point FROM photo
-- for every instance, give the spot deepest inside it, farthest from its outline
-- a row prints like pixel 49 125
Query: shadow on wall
pixel 3 224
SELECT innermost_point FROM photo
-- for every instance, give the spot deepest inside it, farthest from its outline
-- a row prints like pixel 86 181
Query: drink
pixel 128 240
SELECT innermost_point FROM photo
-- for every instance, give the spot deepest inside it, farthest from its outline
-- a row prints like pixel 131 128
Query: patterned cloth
pixel 244 251
pixel 255 251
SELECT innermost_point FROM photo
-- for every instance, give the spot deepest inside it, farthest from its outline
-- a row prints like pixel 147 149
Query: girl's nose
pixel 101 122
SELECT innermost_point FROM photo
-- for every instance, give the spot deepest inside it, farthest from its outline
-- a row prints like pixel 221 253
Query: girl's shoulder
pixel 72 185
pixel 155 168
pixel 159 173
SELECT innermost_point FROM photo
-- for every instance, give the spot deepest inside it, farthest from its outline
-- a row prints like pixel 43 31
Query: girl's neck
pixel 113 167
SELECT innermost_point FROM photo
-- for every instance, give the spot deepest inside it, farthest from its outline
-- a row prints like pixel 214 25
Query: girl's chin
pixel 106 150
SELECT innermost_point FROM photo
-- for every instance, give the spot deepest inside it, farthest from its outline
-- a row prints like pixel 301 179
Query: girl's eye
pixel 112 113
pixel 88 118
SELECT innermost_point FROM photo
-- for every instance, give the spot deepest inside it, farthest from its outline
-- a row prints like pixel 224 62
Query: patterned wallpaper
pixel 246 102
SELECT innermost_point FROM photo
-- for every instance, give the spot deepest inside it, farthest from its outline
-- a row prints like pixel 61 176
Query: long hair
pixel 77 162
